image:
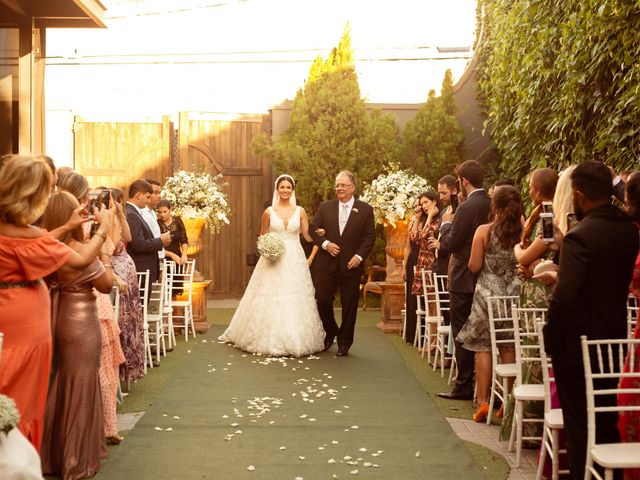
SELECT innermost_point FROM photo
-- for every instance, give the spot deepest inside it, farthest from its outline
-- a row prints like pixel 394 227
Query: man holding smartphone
pixel 149 213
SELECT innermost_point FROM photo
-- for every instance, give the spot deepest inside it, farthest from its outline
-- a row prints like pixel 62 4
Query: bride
pixel 278 314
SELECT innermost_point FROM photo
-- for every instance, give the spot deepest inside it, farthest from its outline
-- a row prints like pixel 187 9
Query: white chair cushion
pixel 506 369
pixel 529 392
pixel 554 419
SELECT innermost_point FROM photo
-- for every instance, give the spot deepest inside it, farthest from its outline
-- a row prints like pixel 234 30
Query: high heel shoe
pixel 114 440
pixel 481 413
pixel 500 412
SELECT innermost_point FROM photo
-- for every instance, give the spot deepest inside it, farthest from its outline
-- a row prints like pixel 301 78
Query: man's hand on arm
pixel 354 262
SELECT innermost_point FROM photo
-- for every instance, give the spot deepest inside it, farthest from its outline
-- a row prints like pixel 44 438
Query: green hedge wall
pixel 560 81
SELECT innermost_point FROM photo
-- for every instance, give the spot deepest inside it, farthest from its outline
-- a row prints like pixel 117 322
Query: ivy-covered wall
pixel 560 81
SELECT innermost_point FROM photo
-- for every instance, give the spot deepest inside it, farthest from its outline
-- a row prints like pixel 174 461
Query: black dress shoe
pixel 456 395
pixel 328 341
pixel 342 352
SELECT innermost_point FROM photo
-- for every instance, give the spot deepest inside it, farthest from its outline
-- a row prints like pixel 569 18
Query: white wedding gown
pixel 278 314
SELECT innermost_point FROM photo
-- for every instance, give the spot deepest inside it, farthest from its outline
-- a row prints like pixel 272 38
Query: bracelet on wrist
pixel 101 234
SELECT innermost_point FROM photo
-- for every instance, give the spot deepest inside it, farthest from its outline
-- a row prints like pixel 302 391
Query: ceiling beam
pixel 15 6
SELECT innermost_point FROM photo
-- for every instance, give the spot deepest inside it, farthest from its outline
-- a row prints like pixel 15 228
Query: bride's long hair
pixel 276 195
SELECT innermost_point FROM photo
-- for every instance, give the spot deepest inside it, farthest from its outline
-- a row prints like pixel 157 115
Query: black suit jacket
pixel 456 239
pixel 590 297
pixel 143 248
pixel 357 238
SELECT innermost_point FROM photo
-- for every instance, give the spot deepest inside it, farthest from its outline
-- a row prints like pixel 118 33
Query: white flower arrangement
pixel 393 194
pixel 9 415
pixel 270 246
pixel 198 195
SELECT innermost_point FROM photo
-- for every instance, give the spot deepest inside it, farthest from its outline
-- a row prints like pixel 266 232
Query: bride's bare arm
pixel 304 225
pixel 264 224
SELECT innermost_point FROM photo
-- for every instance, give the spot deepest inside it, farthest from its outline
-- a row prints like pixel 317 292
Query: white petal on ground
pixel 158 429
pixel 354 472
pixel 347 457
pixel 337 411
pixel 170 429
pixel 362 449
pixel 320 448
pixel 367 464
pixel 331 460
pixel 302 458
pixel 235 424
pixel 417 454
pixel 312 419
pixel 238 432
pixel 251 468
pixel 335 442
pixel 355 427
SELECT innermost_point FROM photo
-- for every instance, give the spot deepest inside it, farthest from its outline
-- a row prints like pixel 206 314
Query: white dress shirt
pixel 152 220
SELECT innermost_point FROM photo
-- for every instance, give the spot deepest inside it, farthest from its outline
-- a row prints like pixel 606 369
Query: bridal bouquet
pixel 9 415
pixel 393 194
pixel 198 195
pixel 270 246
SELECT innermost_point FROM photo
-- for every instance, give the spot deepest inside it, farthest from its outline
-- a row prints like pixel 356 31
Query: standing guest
pixel 144 246
pixel 563 200
pixel 590 298
pixel 27 255
pixel 177 249
pixel 349 235
pixel 411 250
pixel 150 215
pixel 73 435
pixel 448 192
pixel 629 422
pixel 130 315
pixel 456 236
pixel 492 256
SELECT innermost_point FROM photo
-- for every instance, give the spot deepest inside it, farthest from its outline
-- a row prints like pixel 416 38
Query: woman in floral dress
pixel 426 224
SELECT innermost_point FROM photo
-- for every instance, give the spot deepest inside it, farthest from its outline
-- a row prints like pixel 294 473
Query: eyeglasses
pixel 343 185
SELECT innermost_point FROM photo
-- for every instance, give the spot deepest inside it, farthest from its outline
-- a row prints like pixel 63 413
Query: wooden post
pixel 183 141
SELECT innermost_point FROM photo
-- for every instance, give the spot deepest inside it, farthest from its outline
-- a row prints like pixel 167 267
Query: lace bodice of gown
pixel 289 231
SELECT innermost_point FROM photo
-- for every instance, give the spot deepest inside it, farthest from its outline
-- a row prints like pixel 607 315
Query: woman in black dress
pixel 177 249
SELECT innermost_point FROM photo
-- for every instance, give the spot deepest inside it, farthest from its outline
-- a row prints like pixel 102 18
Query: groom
pixel 348 239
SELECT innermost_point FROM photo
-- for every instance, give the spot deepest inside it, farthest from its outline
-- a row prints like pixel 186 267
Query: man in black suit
pixel 597 257
pixel 349 233
pixel 143 247
pixel 455 240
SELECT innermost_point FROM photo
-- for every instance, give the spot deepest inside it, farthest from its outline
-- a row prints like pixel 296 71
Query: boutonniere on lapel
pixel 355 210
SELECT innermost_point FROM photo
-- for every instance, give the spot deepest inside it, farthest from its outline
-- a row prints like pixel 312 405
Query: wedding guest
pixel 130 315
pixel 151 216
pixel 27 255
pixel 177 249
pixel 411 250
pixel 73 434
pixel 456 236
pixel 590 298
pixel 144 246
pixel 492 258
pixel 629 422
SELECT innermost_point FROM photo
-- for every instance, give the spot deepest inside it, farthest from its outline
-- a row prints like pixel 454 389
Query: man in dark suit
pixel 349 233
pixel 455 240
pixel 143 247
pixel 597 257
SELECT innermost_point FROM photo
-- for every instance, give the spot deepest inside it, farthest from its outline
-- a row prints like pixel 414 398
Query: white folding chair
pixel 632 315
pixel 420 314
pixel 553 419
pixel 527 354
pixel 501 330
pixel 157 297
pixel 182 280
pixel 426 327
pixel 143 286
pixel 169 268
pixel 604 371
pixel 442 331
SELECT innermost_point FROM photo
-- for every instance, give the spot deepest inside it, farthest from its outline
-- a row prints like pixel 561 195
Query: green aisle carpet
pixel 226 414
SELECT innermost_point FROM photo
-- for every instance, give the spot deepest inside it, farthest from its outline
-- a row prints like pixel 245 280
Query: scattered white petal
pixel 375 465
pixel 381 451
pixel 337 411
pixel 176 417
pixel 283 448
pixel 331 460
pixel 302 458
pixel 165 415
pixel 344 386
pixel 320 448
pixel 362 449
pixel 375 454
pixel 334 476
pixel 335 442
pixel 347 457
pixel 235 424
pixel 225 416
pixel 170 429
pixel 304 415
pixel 251 468
pixel 417 454
pixel 238 431
pixel 354 472
pixel 298 478
pixel 355 427
pixel 159 429
pixel 188 351
pixel 270 423
pixel 312 419
pixel 367 464
pixel 204 341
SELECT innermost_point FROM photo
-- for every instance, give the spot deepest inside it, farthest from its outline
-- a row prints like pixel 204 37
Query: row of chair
pixel 166 305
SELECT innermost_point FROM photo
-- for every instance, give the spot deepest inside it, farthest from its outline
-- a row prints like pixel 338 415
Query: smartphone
pixel 94 201
pixel 547 207
pixel 105 198
pixel 546 220
pixel 571 220
pixel 454 202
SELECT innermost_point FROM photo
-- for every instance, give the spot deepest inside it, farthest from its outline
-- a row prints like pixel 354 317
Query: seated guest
pixel 74 435
pixel 27 255
pixel 177 249
pixel 143 247
pixel 492 256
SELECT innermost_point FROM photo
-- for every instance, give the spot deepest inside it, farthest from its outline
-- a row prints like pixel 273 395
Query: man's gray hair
pixel 349 175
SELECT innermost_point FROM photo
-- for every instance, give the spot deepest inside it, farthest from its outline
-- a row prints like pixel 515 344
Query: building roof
pixel 53 13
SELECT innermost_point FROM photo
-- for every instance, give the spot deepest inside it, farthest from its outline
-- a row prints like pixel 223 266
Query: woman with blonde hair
pixel 74 433
pixel 27 255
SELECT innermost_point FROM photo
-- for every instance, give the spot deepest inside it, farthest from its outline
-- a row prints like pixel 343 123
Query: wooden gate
pixel 116 154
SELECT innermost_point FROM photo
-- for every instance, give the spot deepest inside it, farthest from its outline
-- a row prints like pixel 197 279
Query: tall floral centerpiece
pixel 199 199
pixel 393 195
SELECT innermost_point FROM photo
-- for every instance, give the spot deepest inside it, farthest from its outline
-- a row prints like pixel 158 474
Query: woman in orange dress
pixel 27 255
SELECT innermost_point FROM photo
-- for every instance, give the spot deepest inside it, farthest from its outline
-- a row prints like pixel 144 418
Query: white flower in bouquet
pixel 198 195
pixel 9 415
pixel 393 194
pixel 270 246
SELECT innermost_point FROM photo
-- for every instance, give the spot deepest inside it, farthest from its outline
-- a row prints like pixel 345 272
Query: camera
pixel 105 198
pixel 546 220
pixel 94 202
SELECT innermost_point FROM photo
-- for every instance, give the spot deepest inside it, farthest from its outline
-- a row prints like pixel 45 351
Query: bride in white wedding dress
pixel 278 314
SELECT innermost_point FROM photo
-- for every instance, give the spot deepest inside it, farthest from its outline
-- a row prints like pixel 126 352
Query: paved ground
pixel 481 434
